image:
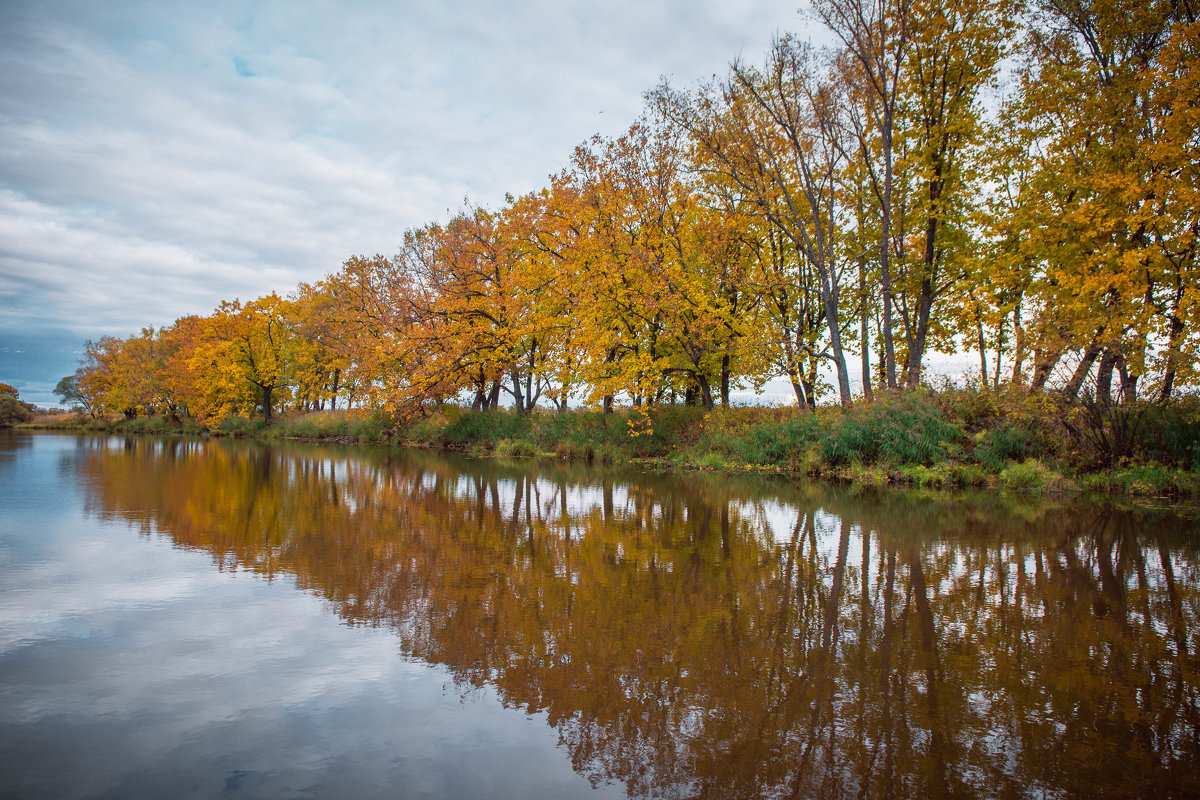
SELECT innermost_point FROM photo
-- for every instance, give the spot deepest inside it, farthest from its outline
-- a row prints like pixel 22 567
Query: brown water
pixel 184 618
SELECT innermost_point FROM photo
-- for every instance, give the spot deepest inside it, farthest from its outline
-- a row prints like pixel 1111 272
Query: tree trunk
pixel 1048 350
pixel 517 391
pixel 798 389
pixel 1104 375
pixel 1071 390
pixel 829 300
pixel 863 330
pixel 983 370
pixel 1173 356
pixel 706 394
pixel 1018 377
pixel 810 385
pixel 999 356
pixel 725 377
pixel 885 241
pixel 1128 381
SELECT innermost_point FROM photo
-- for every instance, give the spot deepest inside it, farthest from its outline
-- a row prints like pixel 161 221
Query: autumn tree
pixel 661 275
pixel 875 37
pixel 242 359
pixel 776 132
pixel 12 409
pixel 123 375
pixel 954 52
pixel 1111 215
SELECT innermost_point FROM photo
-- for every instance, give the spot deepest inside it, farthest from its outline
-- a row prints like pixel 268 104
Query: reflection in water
pixel 708 637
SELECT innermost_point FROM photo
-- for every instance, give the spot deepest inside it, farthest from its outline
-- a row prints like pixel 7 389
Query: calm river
pixel 184 618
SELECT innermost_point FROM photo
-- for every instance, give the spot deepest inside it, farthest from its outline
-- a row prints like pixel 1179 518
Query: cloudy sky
pixel 158 157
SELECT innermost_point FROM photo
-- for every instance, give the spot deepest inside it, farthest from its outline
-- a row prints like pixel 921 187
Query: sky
pixel 159 157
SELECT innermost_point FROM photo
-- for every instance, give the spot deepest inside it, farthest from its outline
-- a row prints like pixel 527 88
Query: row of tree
pixel 1020 181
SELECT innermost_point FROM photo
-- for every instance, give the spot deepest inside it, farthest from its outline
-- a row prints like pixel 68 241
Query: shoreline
pixel 908 441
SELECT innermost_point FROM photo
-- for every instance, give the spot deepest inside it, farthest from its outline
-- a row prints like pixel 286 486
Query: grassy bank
pixel 949 439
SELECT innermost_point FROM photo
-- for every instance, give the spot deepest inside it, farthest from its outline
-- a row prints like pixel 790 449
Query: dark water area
pixel 186 618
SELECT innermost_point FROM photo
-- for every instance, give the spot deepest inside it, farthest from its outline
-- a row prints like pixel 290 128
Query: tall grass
pixel 902 429
pixel 347 426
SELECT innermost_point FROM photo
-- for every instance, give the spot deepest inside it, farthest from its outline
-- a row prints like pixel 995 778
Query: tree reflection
pixel 709 637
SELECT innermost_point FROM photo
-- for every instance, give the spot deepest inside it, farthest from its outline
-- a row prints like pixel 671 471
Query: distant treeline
pixel 1015 180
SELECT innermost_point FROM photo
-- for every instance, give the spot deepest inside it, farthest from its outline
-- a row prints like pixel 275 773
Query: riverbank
pixel 1036 443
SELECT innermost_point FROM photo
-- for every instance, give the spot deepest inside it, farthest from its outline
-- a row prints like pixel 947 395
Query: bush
pixel 781 444
pixel 12 410
pixel 484 428
pixel 925 477
pixel 341 425
pixel 586 435
pixel 1031 475
pixel 1017 441
pixel 1171 433
pixel 240 426
pixel 149 425
pixel 1151 480
pixel 670 428
pixel 710 461
pixel 963 475
pixel 578 435
pixel 515 448
pixel 903 429
pixel 1109 431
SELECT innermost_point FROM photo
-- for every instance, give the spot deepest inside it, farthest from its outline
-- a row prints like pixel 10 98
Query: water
pixel 208 619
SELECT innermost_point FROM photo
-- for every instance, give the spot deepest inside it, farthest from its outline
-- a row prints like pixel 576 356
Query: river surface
pixel 187 618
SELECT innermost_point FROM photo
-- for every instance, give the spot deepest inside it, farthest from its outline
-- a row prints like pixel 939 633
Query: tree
pixel 1112 214
pixel 261 347
pixel 954 51
pixel 12 410
pixel 69 393
pixel 659 274
pixel 875 35
pixel 776 133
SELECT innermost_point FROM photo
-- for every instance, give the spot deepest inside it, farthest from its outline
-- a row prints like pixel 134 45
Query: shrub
pixel 515 448
pixel 904 429
pixel 579 435
pixel 484 428
pixel 671 428
pixel 343 425
pixel 1030 475
pixel 1017 441
pixel 584 434
pixel 148 425
pixel 1171 433
pixel 1145 480
pixel 781 444
pixel 574 451
pixel 710 461
pixel 963 475
pixel 869 476
pixel 428 430
pixel 1108 431
pixel 925 477
pixel 240 426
